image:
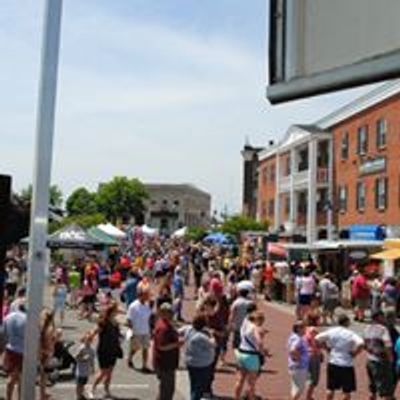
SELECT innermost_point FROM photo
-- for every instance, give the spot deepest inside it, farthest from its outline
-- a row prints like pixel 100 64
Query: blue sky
pixel 163 90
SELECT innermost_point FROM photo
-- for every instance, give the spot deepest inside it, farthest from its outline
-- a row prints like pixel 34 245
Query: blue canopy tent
pixel 218 238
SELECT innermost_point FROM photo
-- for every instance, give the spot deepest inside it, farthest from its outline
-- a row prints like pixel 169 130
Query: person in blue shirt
pixel 14 329
pixel 178 290
pixel 129 292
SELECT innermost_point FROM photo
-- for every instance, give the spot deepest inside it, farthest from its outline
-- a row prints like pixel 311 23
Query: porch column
pixel 277 210
pixel 293 205
pixel 312 192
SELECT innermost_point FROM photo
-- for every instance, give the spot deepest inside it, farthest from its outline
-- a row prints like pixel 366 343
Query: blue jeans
pixel 199 381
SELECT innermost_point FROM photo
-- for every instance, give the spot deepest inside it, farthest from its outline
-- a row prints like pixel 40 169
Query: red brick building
pixel 340 173
pixel 366 167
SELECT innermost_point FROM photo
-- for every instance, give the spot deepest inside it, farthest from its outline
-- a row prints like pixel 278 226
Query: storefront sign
pixel 373 166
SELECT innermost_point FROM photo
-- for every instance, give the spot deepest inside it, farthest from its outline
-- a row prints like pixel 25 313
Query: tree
pixel 81 202
pixel 55 195
pixel 239 223
pixel 122 198
pixel 85 221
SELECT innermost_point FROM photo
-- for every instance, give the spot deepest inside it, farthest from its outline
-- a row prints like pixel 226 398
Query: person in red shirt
pixel 361 295
pixel 166 352
pixel 268 276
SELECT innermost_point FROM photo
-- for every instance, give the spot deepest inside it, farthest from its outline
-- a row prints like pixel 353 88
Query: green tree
pixel 236 224
pixel 55 200
pixel 81 202
pixel 122 198
pixel 85 221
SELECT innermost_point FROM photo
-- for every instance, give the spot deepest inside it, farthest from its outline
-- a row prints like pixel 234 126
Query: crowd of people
pixel 136 295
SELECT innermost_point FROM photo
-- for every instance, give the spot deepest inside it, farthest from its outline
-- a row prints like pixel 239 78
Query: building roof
pixel 295 135
pixel 362 103
pixel 183 187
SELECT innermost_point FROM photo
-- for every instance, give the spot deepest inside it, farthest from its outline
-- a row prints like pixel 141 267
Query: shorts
pixel 247 361
pixel 305 299
pixel 341 378
pixel 314 370
pixel 381 378
pixel 298 378
pixel 329 305
pixel 363 303
pixel 106 361
pixel 140 342
pixel 82 380
pixel 12 362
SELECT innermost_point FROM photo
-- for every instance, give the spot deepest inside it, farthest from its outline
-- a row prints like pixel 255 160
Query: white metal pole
pixel 40 196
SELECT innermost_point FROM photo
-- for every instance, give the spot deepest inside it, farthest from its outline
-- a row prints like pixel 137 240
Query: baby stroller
pixel 62 361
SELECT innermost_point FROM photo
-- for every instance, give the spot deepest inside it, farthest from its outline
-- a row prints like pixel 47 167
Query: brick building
pixel 250 179
pixel 339 176
pixel 295 184
pixel 366 136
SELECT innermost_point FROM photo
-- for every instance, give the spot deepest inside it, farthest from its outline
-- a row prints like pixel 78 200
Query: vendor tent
pixel 112 230
pixel 73 237
pixel 218 238
pixel 180 232
pixel 103 237
pixel 147 230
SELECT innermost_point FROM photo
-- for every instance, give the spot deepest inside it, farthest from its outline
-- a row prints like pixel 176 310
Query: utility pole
pixel 40 196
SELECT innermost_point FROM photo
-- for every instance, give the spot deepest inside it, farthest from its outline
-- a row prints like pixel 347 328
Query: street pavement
pixel 273 384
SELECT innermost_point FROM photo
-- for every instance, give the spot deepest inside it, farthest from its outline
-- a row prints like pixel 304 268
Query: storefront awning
pixel 391 254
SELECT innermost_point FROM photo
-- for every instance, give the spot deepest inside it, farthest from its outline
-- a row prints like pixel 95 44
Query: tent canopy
pixel 73 237
pixel 112 230
pixel 180 232
pixel 218 238
pixel 102 236
pixel 391 254
pixel 149 231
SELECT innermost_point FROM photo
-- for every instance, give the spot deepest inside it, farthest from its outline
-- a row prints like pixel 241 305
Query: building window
pixel 381 195
pixel 360 196
pixel 176 203
pixel 302 203
pixel 362 140
pixel 342 198
pixel 271 208
pixel 381 130
pixel 287 205
pixel 303 160
pixel 345 146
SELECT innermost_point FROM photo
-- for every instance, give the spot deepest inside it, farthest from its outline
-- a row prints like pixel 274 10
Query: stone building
pixel 173 206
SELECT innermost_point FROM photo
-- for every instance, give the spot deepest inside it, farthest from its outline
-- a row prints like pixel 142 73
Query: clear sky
pixel 162 90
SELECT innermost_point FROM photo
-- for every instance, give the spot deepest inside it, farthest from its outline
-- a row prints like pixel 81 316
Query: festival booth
pixel 180 233
pixel 112 231
pixel 148 231
pixel 217 238
pixel 389 258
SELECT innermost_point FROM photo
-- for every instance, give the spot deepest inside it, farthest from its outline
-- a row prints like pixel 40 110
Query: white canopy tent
pixel 112 230
pixel 180 232
pixel 149 231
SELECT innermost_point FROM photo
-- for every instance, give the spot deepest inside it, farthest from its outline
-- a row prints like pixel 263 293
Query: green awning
pixel 102 237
